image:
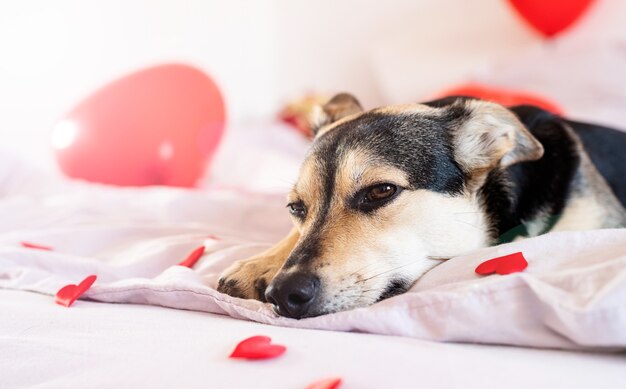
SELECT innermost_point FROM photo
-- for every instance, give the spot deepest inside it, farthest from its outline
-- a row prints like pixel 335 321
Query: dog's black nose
pixel 293 294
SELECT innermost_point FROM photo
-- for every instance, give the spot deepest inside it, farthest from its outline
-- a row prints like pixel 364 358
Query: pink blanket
pixel 572 295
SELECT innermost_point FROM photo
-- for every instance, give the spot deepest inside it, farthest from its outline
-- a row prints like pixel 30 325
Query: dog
pixel 384 195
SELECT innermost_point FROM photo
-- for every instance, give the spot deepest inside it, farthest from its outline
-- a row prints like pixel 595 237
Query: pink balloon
pixel 158 126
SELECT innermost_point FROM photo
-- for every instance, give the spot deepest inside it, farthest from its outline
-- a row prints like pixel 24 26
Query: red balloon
pixel 504 97
pixel 158 126
pixel 550 17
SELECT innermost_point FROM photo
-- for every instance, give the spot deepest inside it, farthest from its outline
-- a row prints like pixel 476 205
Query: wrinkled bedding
pixel 571 296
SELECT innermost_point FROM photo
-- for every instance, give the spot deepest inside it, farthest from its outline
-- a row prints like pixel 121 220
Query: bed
pixel 121 345
pixel 148 322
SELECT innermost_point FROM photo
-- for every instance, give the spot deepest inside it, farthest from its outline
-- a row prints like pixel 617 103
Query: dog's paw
pixel 248 279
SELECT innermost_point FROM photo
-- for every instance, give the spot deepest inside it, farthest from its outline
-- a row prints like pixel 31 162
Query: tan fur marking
pixel 265 265
pixel 408 108
pixel 358 169
pixel 309 184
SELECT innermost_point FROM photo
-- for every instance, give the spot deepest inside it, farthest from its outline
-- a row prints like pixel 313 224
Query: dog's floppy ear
pixel 338 107
pixel 492 136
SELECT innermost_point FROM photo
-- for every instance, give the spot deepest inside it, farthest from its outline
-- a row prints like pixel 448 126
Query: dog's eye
pixel 375 196
pixel 380 192
pixel 297 209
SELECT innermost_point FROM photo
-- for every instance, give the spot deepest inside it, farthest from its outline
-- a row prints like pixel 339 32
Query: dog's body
pixel 384 195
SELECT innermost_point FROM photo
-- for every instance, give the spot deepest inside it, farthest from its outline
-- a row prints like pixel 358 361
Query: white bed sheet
pixel 572 295
pixel 102 345
pixel 117 345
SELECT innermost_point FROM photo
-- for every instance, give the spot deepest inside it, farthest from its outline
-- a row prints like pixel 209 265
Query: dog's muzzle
pixel 293 295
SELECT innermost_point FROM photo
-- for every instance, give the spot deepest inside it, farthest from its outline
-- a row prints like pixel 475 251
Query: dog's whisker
pixel 388 271
pixel 362 268
pixel 365 291
pixel 436 258
pixel 373 273
pixel 467 223
pixel 432 257
pixel 362 298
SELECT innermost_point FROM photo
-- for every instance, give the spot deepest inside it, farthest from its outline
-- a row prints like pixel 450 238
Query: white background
pixel 55 53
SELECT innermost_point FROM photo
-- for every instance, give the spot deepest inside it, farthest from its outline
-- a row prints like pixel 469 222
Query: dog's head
pixel 383 194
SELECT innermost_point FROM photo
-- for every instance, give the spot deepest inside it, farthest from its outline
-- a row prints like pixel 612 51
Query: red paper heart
pixel 69 293
pixel 506 264
pixel 193 257
pixel 551 17
pixel 36 246
pixel 257 347
pixel 327 383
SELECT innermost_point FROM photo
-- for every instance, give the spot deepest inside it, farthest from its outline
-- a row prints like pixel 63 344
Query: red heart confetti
pixel 257 347
pixel 36 246
pixel 506 264
pixel 69 293
pixel 193 257
pixel 327 383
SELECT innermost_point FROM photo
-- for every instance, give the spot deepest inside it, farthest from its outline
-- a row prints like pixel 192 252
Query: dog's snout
pixel 294 294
